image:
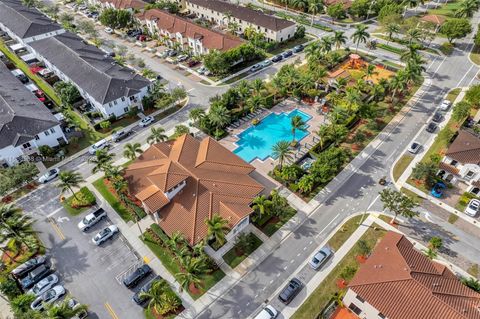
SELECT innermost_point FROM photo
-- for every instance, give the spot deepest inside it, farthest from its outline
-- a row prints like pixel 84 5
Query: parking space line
pixel 110 311
pixel 54 212
pixel 57 230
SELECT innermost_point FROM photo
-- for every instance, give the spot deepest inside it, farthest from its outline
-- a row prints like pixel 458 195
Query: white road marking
pixel 291 261
pixel 54 212
pixel 285 268
pixel 319 233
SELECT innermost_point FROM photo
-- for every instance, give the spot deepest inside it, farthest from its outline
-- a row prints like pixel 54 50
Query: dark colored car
pixel 134 278
pixel 290 291
pixel 431 127
pixel 35 276
pixel 29 265
pixel 277 58
pixel 437 117
pixel 142 301
pixel 298 48
pixel 120 135
pixel 23 78
pixel 192 63
pixel 287 54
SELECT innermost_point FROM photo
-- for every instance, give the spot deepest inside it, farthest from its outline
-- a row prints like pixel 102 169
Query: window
pixel 355 309
pixel 37 137
pixel 110 104
pixel 453 163
pixel 266 30
pixel 125 109
pixel 114 102
pixel 123 99
pixel 381 315
pixel 52 130
pixel 360 299
pixel 47 133
pixel 26 145
pixel 470 174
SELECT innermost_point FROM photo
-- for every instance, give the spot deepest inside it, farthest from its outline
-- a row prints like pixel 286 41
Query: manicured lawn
pixel 401 165
pixel 391 48
pixel 84 198
pixel 447 9
pixel 452 95
pixel 417 199
pixel 347 229
pixel 233 258
pixel 475 55
pixel 290 44
pixel 276 223
pixel 320 297
pixel 73 211
pixel 121 210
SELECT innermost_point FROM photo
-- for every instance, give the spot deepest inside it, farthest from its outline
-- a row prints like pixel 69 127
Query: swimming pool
pixel 257 141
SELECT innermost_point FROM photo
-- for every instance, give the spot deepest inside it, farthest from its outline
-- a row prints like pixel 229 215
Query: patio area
pixel 264 166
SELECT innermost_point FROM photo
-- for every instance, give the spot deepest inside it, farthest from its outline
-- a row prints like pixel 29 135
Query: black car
pixel 298 48
pixel 134 278
pixel 35 276
pixel 120 135
pixel 437 117
pixel 142 301
pixel 29 265
pixel 23 78
pixel 277 58
pixel 287 54
pixel 290 291
pixel 431 127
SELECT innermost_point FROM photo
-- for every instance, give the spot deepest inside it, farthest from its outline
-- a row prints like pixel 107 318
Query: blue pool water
pixel 257 141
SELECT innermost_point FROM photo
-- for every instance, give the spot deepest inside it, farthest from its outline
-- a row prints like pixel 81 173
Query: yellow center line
pixel 57 230
pixel 110 311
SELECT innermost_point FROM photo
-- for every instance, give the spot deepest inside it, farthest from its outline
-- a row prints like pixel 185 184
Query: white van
pixel 267 313
pixel 100 145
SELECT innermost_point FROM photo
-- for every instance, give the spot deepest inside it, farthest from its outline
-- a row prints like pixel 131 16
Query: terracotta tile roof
pixel 217 181
pixel 346 3
pixel 439 20
pixel 173 24
pixel 465 149
pixel 448 168
pixel 126 4
pixel 402 283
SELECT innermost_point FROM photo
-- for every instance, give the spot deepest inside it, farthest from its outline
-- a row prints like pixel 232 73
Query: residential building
pixel 461 163
pixel 399 282
pixel 112 89
pixel 26 24
pixel 223 13
pixel 184 182
pixel 132 5
pixel 25 123
pixel 188 35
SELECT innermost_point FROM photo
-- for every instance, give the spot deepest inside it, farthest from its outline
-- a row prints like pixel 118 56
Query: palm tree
pixel 68 180
pixel 257 86
pixel 360 35
pixel 101 160
pixel 466 8
pixel 392 28
pixel 131 150
pixel 157 135
pixel 29 3
pixel 413 34
pixel 326 44
pixel 187 280
pixel 155 295
pixel 16 226
pixel 62 310
pixel 287 2
pixel 314 8
pixel 217 227
pixel 196 114
pixel 219 116
pixel 260 204
pixel 300 4
pixel 282 151
pixel 297 123
pixel 339 39
pixel 370 71
pixel 313 52
pixel 255 102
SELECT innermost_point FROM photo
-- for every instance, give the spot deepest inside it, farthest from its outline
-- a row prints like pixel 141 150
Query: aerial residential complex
pixel 186 181
pixel 25 123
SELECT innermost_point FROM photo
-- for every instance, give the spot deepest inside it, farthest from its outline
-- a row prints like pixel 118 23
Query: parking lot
pixel 92 274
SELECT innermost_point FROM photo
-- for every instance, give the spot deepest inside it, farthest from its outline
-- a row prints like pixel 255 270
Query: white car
pixel 100 145
pixel 146 121
pixel 445 105
pixel 48 297
pixel 414 147
pixel 49 175
pixel 43 285
pixel 472 208
pixel 105 234
pixel 92 219
pixel 108 30
pixel 267 313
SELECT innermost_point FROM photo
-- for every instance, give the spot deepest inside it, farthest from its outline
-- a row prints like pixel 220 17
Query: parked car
pixel 146 121
pixel 414 148
pixel 29 265
pixel 445 105
pixel 277 58
pixel 290 291
pixel 43 285
pixel 35 276
pixel 108 30
pixel 45 73
pixel 192 63
pixel 134 33
pixel 100 145
pixel 287 54
pixel 431 127
pixel 172 53
pixel 182 58
pixel 267 313
pixel 298 48
pixel 266 63
pixel 437 117
pixel 120 135
pixel 202 70
pixel 142 301
pixel 23 78
pixel 437 190
pixel 256 67
pixel 134 278
pixel 48 297
pixel 142 38
pixel 49 175
pixel 73 304
pixel 91 219
pixel 321 257
pixel 105 234
pixel 472 208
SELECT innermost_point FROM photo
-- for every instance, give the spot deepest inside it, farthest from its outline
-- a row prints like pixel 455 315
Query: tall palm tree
pixel 68 180
pixel 255 102
pixel 326 44
pixel 16 226
pixel 370 70
pixel 392 29
pixel 196 114
pixel 282 151
pixel 157 135
pixel 219 116
pixel 466 8
pixel 155 295
pixel 257 86
pixel 131 150
pixel 101 160
pixel 413 34
pixel 312 51
pixel 217 227
pixel 339 39
pixel 62 310
pixel 260 204
pixel 315 7
pixel 300 4
pixel 187 279
pixel 360 35
pixel 297 123
pixel 286 2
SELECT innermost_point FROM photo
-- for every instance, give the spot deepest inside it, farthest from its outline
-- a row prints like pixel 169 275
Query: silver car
pixel 49 175
pixel 105 234
pixel 48 297
pixel 472 208
pixel 321 257
pixel 43 285
pixel 414 147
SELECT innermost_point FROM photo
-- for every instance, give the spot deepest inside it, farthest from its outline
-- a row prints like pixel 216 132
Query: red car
pixel 192 63
pixel 35 69
pixel 142 38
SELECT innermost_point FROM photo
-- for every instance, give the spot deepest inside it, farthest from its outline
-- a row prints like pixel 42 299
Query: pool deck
pixel 263 167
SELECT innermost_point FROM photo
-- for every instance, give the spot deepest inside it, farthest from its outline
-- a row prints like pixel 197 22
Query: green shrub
pixel 446 48
pixel 84 198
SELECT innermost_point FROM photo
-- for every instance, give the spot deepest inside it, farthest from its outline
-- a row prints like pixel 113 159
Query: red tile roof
pixel 217 181
pixel 448 168
pixel 439 20
pixel 402 283
pixel 465 149
pixel 126 4
pixel 173 24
